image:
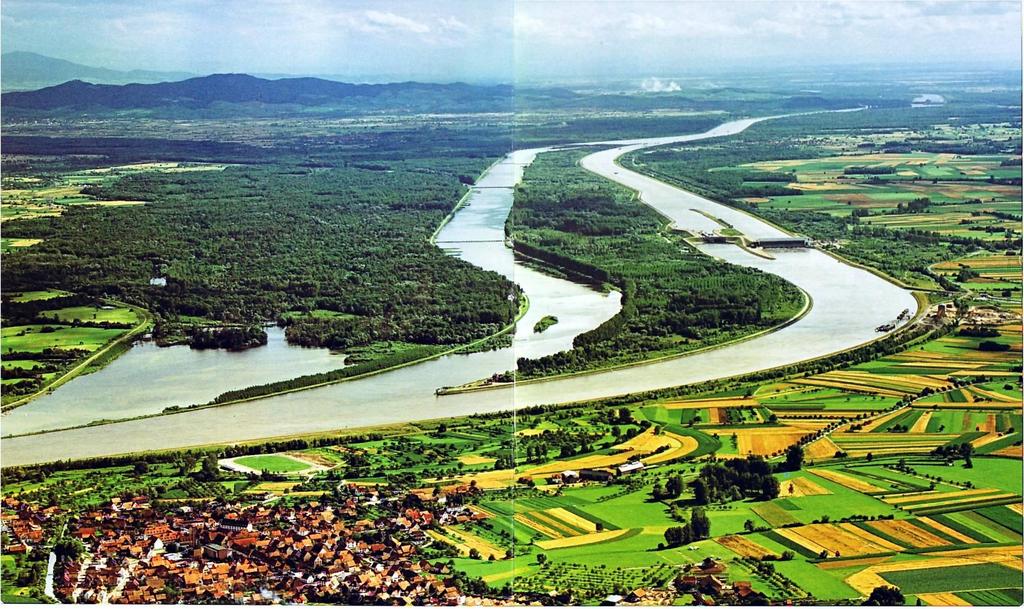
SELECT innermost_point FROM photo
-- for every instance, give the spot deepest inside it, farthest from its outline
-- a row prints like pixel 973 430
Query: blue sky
pixel 444 40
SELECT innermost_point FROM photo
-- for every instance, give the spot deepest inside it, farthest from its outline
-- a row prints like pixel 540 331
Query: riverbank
pixel 904 339
pixel 101 357
pixel 808 303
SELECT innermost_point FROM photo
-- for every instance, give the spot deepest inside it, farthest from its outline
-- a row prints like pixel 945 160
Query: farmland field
pixel 273 463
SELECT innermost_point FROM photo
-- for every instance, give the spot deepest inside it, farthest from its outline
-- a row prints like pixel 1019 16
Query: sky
pixel 506 40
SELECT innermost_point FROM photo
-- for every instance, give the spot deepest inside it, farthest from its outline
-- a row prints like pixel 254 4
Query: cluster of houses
pixel 361 549
pixel 706 581
pixel 364 546
pixel 23 525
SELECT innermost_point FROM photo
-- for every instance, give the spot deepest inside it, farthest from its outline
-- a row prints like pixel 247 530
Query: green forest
pixel 675 298
pixel 338 254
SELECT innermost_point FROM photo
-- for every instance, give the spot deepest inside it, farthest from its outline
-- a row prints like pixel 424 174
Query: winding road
pixel 848 303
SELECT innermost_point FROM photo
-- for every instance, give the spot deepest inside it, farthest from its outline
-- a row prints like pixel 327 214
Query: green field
pixel 34 338
pixel 952 579
pixel 273 463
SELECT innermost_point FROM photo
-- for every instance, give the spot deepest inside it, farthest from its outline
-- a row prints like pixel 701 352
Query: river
pixel 848 304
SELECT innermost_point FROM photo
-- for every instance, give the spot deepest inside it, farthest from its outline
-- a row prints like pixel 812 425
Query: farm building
pixel 600 475
pixel 631 467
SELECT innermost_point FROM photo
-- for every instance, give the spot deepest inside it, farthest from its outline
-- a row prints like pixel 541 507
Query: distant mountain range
pixel 230 90
pixel 20 70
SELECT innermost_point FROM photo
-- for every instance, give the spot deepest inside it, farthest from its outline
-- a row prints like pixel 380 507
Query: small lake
pixel 149 378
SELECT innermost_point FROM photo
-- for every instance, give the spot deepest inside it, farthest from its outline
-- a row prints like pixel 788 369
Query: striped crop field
pixel 583 540
pixel 907 534
pixel 945 572
pixel 837 540
pixel 860 444
pixel 850 482
pixel 937 502
pixel 744 547
pixel 801 486
pixel 637 447
pixel 556 523
pixel 822 448
pixel 465 542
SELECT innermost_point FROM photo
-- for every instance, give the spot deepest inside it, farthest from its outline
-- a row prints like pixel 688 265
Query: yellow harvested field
pixel 822 448
pixel 948 502
pixel 466 542
pixel 716 415
pixel 943 599
pixel 908 533
pixel 979 262
pixel 849 482
pixel 911 380
pixel 935 495
pixel 992 395
pixel 577 521
pixel 632 449
pixel 801 487
pixel 875 539
pixel 476 459
pixel 476 509
pixel 492 479
pixel 272 487
pixel 685 445
pixel 580 540
pixel 533 431
pixel 985 439
pixel 743 546
pixel 1017 507
pixel 792 535
pixel 814 425
pixel 1009 451
pixel 24 242
pixel 765 440
pixel 838 541
pixel 536 526
pixel 551 522
pixel 955 534
pixel 921 424
pixel 852 562
pixel 814 186
pixel 474 542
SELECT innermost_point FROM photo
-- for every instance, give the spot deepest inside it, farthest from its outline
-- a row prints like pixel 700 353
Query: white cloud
pixel 381 21
pixel 657 85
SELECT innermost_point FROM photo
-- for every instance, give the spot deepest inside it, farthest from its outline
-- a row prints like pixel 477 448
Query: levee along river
pixel 848 304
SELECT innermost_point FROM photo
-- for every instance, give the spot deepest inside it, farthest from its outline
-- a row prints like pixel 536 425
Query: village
pixel 364 545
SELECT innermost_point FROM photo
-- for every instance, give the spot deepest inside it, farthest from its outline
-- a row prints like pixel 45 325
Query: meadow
pixel 48 335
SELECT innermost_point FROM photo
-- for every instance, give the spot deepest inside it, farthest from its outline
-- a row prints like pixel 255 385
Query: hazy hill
pixel 218 90
pixel 20 70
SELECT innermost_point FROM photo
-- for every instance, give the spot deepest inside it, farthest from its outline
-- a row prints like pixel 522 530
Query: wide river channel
pixel 848 304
